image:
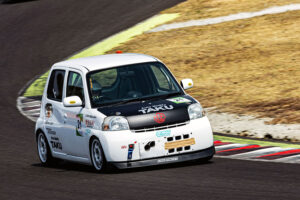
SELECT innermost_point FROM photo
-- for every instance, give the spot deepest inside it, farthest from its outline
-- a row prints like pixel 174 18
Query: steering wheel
pixel 134 94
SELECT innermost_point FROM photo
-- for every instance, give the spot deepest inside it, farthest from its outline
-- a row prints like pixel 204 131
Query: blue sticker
pixel 87 131
pixel 163 133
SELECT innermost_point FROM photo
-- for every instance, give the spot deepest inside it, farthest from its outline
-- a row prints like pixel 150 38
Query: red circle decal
pixel 159 117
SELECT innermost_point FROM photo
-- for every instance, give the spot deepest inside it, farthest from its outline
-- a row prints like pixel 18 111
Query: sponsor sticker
pixel 78 128
pixel 48 123
pixel 163 133
pixel 89 123
pixel 55 138
pixel 50 131
pixel 71 115
pixel 56 145
pixel 90 116
pixel 155 108
pixel 178 100
pixel 49 110
pixel 172 159
pixel 159 118
pixel 87 131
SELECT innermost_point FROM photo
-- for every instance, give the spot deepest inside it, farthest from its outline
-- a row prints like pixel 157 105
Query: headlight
pixel 195 111
pixel 115 123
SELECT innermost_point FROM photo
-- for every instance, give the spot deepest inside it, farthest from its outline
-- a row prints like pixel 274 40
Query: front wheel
pixel 97 155
pixel 44 150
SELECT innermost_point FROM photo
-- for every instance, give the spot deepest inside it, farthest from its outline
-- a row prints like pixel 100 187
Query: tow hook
pixel 149 145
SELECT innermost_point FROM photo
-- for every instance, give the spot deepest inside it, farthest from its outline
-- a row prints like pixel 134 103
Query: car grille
pixel 160 127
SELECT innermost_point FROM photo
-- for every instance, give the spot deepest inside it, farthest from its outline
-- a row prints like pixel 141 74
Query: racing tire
pixel 44 151
pixel 97 155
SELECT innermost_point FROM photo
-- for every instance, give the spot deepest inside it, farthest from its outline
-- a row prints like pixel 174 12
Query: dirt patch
pixel 243 66
pixel 198 9
pixel 283 110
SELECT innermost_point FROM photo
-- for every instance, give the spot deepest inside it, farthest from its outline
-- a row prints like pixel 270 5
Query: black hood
pixel 152 113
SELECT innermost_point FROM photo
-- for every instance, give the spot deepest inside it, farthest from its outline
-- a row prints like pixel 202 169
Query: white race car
pixel 126 110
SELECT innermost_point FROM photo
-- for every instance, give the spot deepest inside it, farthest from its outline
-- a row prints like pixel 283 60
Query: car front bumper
pixel 194 155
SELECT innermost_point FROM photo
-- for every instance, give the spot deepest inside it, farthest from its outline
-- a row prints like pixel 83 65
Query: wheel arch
pixel 90 143
pixel 39 130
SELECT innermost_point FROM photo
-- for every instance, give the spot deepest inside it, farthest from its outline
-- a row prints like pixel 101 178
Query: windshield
pixel 131 82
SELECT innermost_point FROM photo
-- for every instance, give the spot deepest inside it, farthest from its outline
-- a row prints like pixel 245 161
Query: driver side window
pixel 75 86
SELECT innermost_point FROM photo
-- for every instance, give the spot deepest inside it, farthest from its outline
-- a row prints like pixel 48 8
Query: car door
pixel 53 108
pixel 75 140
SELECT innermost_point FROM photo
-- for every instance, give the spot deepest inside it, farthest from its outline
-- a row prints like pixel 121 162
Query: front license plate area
pixel 179 143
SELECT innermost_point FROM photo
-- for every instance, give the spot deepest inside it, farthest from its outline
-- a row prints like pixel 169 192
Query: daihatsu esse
pixel 125 110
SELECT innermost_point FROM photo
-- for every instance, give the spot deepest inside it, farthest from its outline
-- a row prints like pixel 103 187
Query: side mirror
pixel 186 83
pixel 72 101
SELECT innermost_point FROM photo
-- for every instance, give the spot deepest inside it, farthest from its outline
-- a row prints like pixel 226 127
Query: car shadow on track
pixel 69 166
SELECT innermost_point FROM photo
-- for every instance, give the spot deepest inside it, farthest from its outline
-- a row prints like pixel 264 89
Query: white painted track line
pixel 290 159
pixel 229 146
pixel 233 17
pixel 259 152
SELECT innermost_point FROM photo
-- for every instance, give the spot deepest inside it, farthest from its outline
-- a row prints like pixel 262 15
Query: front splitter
pixel 205 153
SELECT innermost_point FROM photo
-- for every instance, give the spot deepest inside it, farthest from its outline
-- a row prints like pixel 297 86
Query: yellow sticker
pixel 190 84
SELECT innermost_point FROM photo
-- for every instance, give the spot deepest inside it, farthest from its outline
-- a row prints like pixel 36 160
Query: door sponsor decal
pixel 79 117
pixel 178 100
pixel 87 131
pixel 71 115
pixel 91 116
pixel 78 128
pixel 89 123
pixel 155 108
pixel 164 133
pixel 159 118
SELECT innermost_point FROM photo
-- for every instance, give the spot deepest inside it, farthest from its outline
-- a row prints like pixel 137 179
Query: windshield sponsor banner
pixel 179 100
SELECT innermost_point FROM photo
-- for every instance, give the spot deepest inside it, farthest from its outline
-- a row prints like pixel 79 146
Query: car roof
pixel 107 61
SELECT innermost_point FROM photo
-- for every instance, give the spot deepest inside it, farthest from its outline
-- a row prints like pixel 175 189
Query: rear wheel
pixel 97 155
pixel 44 150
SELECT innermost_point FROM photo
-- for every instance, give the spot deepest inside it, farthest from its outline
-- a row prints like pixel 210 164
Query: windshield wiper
pixel 164 96
pixel 123 102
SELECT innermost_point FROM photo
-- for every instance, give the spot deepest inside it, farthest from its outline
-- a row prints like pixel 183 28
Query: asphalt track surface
pixel 34 35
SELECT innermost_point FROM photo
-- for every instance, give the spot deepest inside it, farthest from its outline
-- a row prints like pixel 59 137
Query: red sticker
pixel 159 118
